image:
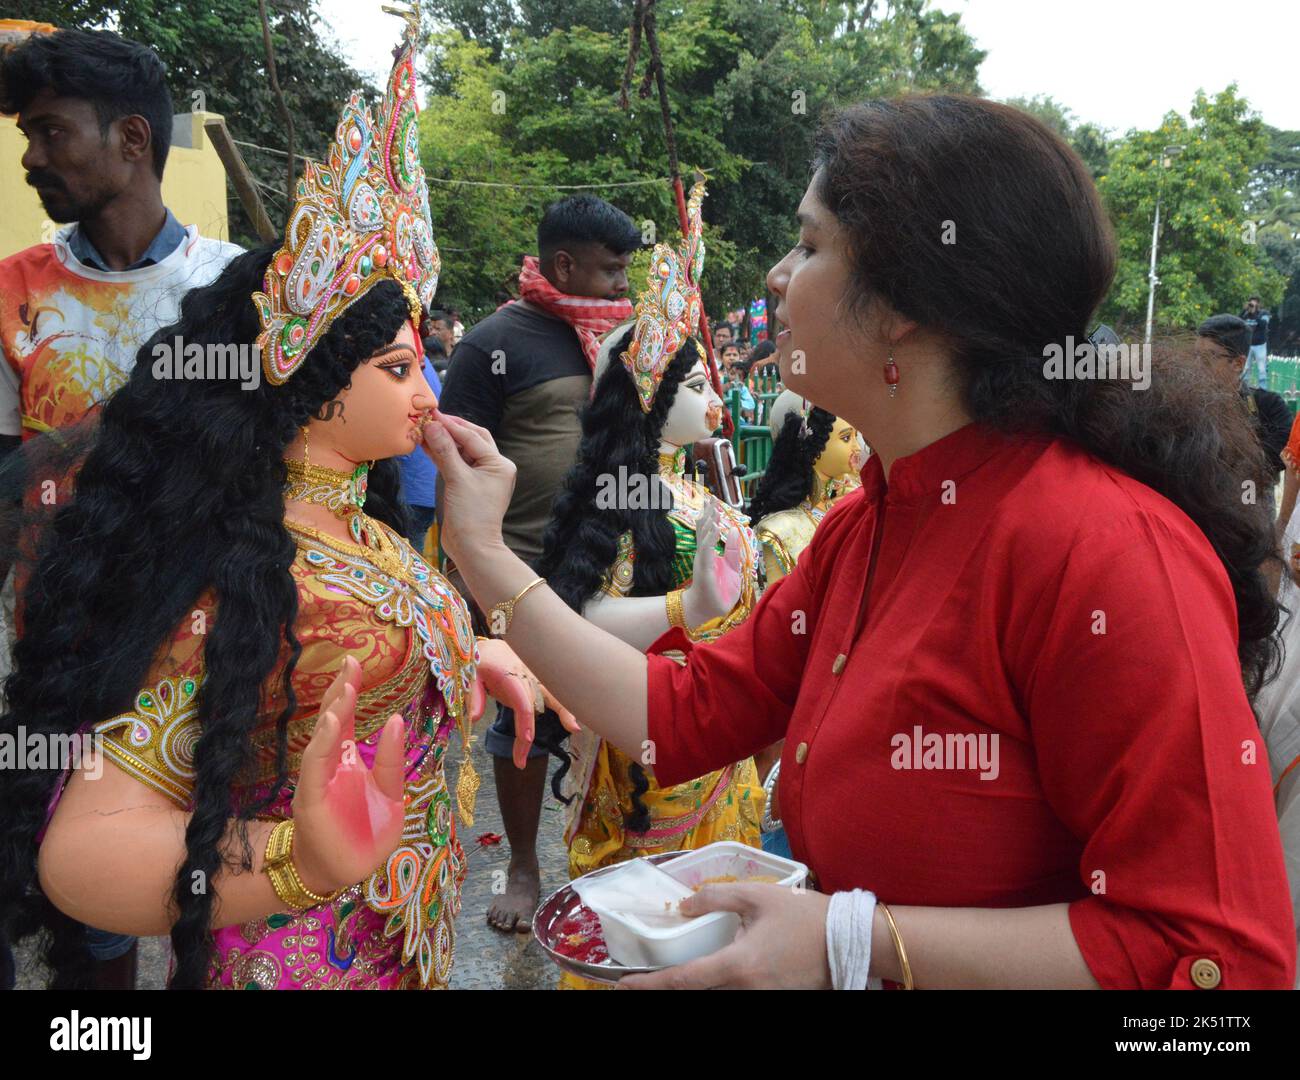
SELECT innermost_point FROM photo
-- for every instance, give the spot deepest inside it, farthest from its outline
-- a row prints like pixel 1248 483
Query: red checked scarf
pixel 590 316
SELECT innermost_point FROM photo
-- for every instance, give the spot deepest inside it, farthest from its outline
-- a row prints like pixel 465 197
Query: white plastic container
pixel 728 859
pixel 651 934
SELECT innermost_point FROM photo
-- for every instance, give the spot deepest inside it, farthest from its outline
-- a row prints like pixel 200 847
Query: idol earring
pixel 306 448
pixel 891 375
pixel 804 429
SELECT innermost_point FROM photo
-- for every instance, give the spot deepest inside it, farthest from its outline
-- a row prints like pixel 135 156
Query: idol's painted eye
pixel 398 371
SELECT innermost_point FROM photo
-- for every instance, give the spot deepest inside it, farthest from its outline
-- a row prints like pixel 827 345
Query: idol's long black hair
pixel 788 478
pixel 581 541
pixel 181 492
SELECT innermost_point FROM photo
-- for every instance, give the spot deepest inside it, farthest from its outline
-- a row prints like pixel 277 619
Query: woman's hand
pixel 508 679
pixel 715 580
pixel 478 484
pixel 348 817
pixel 781 943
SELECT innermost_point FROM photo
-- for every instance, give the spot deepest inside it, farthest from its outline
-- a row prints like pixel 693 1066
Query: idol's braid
pixel 788 479
pixel 581 541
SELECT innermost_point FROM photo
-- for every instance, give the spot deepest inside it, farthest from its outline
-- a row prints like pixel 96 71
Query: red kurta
pixel 1078 628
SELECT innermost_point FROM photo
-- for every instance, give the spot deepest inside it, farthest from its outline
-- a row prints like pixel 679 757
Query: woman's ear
pixel 895 329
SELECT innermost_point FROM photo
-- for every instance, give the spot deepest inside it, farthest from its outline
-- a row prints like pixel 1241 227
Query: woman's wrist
pixel 494 573
pixel 884 956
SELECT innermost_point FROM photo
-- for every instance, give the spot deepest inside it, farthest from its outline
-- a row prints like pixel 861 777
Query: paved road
pixel 486 959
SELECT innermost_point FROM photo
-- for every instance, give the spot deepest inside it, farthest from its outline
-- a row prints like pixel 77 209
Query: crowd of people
pixel 1006 661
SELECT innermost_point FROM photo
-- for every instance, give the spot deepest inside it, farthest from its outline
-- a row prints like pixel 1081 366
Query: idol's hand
pixel 781 943
pixel 715 579
pixel 478 484
pixel 508 679
pixel 348 818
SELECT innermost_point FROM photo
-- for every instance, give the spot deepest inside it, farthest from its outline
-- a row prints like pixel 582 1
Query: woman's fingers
pixel 741 899
pixel 442 448
pixel 718 969
pixel 475 443
pixel 389 769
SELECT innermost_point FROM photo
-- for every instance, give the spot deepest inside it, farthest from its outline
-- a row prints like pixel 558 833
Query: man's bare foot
pixel 514 909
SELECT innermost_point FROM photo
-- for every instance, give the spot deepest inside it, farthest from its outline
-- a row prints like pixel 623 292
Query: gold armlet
pixel 676 610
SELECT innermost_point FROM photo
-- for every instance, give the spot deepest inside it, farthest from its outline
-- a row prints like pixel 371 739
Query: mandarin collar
pixel 922 474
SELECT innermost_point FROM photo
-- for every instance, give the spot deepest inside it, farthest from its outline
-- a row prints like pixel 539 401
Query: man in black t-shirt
pixel 1224 341
pixel 524 373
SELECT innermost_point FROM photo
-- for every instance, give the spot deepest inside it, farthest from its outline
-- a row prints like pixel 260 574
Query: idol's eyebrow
pixel 805 220
pixel 395 347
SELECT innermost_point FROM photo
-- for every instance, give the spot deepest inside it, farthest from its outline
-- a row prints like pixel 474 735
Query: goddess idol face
pixel 843 452
pixel 382 413
pixel 696 410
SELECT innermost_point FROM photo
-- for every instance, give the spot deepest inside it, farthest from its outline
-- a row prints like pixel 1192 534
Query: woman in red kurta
pixel 1012 672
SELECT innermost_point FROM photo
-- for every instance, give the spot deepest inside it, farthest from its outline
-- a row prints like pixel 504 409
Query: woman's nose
pixel 777 277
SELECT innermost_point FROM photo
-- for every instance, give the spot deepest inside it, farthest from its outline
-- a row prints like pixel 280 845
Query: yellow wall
pixel 194 186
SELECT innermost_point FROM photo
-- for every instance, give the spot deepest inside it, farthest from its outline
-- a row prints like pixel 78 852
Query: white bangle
pixel 848 938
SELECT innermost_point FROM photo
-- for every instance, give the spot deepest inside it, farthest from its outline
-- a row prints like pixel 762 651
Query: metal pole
pixel 1168 153
pixel 1151 274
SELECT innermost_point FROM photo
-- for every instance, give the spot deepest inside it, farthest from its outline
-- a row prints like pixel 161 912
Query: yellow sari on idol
pixel 723 805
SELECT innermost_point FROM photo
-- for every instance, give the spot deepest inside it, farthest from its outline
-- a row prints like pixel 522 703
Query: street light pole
pixel 1169 152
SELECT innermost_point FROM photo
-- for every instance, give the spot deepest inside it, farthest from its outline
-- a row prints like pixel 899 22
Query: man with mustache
pixel 97 116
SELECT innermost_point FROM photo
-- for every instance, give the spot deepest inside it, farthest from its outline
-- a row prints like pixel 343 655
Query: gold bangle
pixel 676 609
pixel 279 867
pixel 507 608
pixel 899 948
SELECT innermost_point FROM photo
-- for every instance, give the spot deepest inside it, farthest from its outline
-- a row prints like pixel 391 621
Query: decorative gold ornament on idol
pixel 668 310
pixel 344 495
pixel 358 218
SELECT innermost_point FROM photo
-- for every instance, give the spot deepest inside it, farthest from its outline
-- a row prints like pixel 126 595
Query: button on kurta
pixel 838 666
pixel 1206 974
pixel 801 753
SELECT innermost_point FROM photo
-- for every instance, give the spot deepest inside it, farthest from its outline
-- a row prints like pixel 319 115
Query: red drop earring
pixel 891 375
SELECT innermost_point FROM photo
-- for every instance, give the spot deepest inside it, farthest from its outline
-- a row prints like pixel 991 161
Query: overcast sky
pixel 1117 63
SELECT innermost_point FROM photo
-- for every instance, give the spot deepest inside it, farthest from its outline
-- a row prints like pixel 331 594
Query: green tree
pixel 1209 260
pixel 749 82
pixel 1089 141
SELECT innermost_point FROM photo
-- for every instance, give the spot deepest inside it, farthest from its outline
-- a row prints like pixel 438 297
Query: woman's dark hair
pixel 118 77
pixel 1228 331
pixel 788 478
pixel 1033 259
pixel 181 492
pixel 580 545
